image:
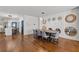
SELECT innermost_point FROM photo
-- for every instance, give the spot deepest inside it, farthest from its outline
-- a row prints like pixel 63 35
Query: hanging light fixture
pixel 43 21
pixel 9 16
pixel 43 14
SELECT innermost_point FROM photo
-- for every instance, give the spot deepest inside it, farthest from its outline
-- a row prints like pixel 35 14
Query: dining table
pixel 49 32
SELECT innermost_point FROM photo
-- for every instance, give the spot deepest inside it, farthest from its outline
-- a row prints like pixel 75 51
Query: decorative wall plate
pixel 53 18
pixel 59 18
pixel 70 18
pixel 49 19
pixel 70 31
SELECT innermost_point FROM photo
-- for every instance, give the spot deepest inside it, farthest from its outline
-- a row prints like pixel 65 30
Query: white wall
pixel 62 23
pixel 20 18
pixel 29 22
pixel 8 29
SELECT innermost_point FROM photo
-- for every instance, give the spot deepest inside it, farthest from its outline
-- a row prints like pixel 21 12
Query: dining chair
pixel 50 29
pixel 34 33
pixel 58 30
pixel 45 36
pixel 39 34
pixel 55 37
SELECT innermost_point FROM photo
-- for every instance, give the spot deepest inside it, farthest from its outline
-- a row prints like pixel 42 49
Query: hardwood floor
pixel 21 43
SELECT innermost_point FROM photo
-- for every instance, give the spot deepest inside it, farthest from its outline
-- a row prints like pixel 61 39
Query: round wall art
pixel 59 18
pixel 70 31
pixel 70 18
pixel 53 18
pixel 49 19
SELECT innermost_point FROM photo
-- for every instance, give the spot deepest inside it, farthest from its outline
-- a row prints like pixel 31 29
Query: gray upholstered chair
pixel 34 33
pixel 39 34
pixel 55 37
pixel 45 36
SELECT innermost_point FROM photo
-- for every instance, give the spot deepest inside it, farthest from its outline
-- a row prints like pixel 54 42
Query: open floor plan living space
pixel 39 29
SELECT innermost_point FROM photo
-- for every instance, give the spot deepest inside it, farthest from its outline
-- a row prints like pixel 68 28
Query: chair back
pixel 43 34
pixel 34 32
pixel 58 30
pixel 39 33
pixel 57 35
pixel 50 29
pixel 53 34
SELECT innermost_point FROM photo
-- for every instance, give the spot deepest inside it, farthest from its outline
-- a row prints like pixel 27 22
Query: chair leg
pixel 56 40
pixel 52 40
pixel 40 37
pixel 34 36
pixel 43 38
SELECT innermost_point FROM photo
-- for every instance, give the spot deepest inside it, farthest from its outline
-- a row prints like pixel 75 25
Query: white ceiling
pixel 34 10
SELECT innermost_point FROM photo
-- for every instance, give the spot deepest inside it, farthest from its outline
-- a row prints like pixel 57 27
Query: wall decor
pixel 49 19
pixel 53 18
pixel 70 18
pixel 59 18
pixel 70 31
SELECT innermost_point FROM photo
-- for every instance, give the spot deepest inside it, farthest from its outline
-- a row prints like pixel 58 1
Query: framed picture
pixel 53 18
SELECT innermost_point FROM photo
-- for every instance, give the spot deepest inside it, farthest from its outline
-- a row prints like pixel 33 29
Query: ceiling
pixel 34 10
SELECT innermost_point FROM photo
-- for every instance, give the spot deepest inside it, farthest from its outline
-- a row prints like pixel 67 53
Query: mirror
pixel 70 31
pixel 59 18
pixel 70 18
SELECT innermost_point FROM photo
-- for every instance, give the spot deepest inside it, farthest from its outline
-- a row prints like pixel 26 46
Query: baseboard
pixel 69 39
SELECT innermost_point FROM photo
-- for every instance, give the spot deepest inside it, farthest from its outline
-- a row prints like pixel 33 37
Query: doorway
pixel 22 27
pixel 15 29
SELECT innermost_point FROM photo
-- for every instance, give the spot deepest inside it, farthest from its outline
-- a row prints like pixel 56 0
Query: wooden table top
pixel 50 31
